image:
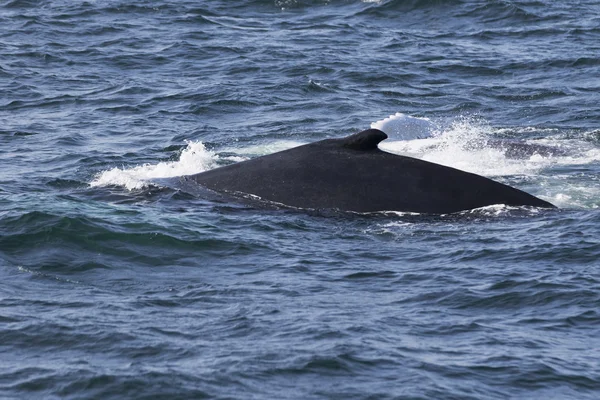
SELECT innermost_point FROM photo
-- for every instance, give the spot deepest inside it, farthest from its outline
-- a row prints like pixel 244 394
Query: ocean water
pixel 115 283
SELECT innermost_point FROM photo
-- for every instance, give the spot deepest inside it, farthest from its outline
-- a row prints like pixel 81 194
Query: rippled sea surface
pixel 115 283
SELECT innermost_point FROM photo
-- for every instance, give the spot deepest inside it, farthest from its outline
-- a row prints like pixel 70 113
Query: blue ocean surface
pixel 117 284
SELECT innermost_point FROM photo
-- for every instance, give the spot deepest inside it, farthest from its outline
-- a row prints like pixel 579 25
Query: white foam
pixel 400 126
pixel 463 145
pixel 565 194
pixel 193 159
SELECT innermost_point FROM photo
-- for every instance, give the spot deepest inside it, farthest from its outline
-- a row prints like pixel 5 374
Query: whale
pixel 352 174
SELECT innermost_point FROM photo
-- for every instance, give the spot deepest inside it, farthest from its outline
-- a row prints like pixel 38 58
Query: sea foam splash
pixel 194 158
pixel 463 145
pixel 400 126
pixel 473 146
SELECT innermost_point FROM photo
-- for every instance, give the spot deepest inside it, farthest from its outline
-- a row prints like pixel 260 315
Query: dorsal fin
pixel 365 140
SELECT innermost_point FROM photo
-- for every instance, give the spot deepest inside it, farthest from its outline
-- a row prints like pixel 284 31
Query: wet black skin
pixel 353 174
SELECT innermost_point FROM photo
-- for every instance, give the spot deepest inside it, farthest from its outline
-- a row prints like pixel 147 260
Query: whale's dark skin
pixel 352 174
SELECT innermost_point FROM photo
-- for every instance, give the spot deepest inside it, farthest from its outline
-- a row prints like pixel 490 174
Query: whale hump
pixel 365 140
pixel 352 174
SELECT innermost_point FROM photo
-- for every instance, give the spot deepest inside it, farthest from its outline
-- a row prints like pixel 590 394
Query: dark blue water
pixel 116 284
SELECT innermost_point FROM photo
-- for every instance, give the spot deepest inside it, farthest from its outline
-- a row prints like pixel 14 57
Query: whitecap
pixel 194 158
pixel 400 126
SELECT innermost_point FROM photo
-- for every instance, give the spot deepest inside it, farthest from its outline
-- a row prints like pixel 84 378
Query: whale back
pixel 353 174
